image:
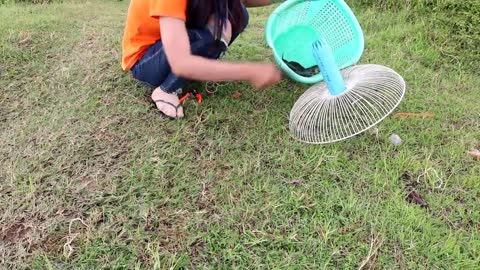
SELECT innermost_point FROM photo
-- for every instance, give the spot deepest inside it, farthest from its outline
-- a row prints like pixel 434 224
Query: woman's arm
pixel 257 3
pixel 184 64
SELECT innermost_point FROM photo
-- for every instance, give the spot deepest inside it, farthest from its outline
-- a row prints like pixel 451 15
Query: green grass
pixel 91 177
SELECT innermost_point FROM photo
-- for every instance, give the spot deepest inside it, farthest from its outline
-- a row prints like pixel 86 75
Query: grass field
pixel 92 177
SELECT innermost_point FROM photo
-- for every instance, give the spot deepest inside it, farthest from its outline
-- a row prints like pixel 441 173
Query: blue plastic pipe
pixel 328 67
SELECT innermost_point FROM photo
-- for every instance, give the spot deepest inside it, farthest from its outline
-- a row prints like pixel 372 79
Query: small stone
pixel 395 139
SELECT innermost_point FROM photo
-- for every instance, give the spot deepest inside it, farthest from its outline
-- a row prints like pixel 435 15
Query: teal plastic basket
pixel 296 24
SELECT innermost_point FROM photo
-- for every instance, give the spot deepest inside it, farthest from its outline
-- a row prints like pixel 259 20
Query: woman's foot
pixel 168 104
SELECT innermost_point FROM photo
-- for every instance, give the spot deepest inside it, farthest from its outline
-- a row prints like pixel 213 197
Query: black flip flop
pixel 168 103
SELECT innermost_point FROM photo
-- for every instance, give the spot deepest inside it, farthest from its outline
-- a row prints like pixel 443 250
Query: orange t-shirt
pixel 143 27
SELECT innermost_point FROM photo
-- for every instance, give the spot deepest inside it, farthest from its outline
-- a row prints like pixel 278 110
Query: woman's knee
pixel 203 43
pixel 246 18
pixel 241 27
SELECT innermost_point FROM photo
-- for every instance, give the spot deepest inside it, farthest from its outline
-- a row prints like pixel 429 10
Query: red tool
pixel 185 97
pixel 194 93
pixel 198 97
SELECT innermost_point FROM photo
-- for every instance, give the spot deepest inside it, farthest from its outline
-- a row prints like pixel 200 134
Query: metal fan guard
pixel 373 92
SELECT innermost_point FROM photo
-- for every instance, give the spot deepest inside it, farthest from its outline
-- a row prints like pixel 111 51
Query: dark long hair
pixel 198 12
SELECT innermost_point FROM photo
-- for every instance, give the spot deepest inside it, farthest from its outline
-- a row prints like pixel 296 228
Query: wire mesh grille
pixel 373 92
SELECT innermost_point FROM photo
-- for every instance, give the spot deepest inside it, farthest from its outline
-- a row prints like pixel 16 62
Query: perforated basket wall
pixel 294 26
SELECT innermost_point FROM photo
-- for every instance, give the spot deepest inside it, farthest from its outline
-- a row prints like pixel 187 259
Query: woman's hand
pixel 264 75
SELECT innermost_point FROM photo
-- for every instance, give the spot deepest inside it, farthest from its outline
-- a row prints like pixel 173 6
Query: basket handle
pixel 328 67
